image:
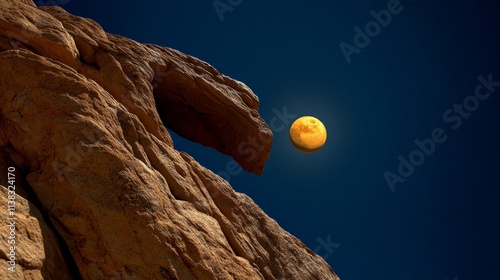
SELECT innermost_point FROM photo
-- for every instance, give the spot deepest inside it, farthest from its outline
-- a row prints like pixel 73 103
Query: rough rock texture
pixel 109 196
pixel 37 246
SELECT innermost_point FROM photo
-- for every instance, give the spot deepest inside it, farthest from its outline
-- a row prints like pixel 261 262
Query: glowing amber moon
pixel 308 134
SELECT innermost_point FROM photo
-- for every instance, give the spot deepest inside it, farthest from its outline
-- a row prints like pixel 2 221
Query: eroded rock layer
pixel 102 193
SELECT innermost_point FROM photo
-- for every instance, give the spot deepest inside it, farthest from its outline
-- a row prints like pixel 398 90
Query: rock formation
pixel 101 193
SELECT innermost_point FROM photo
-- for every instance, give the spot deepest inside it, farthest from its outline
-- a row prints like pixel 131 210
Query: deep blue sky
pixel 442 222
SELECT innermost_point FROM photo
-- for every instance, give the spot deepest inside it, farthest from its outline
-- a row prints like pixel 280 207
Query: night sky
pixel 406 83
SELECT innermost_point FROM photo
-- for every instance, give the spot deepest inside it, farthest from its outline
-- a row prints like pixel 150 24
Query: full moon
pixel 307 134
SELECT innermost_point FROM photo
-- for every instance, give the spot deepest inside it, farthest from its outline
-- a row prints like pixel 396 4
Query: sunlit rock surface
pixel 101 191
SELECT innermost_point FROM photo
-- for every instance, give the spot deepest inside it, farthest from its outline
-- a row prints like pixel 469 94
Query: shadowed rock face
pixel 102 192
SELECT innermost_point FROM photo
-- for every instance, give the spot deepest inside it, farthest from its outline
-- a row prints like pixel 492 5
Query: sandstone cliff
pixel 101 191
